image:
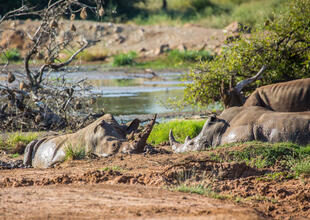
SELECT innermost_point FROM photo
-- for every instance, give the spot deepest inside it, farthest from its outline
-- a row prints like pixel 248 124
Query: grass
pixel 181 129
pixel 201 190
pixel 290 157
pixel 14 138
pixel 171 59
pixel 75 153
pixel 212 13
pixel 125 59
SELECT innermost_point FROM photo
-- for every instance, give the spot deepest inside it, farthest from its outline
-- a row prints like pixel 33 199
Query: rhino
pixel 103 138
pixel 291 96
pixel 242 124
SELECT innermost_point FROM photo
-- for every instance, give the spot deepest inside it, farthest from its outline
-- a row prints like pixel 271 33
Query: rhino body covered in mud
pixel 103 137
pixel 291 96
pixel 241 124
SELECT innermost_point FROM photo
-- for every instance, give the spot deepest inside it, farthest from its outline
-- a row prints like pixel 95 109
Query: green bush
pixel 11 55
pixel 283 45
pixel 180 128
pixel 125 59
pixel 176 56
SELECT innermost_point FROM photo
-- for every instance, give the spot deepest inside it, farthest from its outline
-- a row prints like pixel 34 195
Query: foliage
pixel 12 140
pixel 210 13
pixel 302 167
pixel 176 56
pixel 10 55
pixel 283 45
pixel 75 153
pixel 181 129
pixel 124 59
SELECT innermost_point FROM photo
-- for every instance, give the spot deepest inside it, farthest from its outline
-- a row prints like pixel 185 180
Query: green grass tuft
pixel 125 59
pixel 302 167
pixel 75 153
pixel 180 128
pixel 201 190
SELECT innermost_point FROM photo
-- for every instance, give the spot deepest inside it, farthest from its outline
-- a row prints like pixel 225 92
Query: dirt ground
pixel 117 38
pixel 142 187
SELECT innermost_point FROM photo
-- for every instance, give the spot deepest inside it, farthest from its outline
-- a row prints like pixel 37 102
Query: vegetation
pixel 75 153
pixel 201 190
pixel 125 59
pixel 282 44
pixel 181 129
pixel 171 59
pixel 210 13
pixel 10 55
pixel 287 156
pixel 13 139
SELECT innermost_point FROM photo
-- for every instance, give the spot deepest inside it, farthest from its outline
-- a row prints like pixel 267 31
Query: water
pixel 123 93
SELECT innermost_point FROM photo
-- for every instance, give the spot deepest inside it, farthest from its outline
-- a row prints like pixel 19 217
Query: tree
pixel 282 44
pixel 39 98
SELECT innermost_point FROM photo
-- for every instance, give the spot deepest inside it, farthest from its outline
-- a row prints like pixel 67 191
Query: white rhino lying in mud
pixel 241 124
pixel 103 137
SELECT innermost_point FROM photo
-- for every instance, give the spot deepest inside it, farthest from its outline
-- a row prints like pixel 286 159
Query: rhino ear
pixel 213 118
pixel 133 126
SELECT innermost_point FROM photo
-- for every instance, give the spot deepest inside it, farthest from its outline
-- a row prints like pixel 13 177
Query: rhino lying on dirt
pixel 103 137
pixel 241 124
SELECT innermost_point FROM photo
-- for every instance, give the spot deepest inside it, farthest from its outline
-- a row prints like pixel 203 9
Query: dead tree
pixel 37 100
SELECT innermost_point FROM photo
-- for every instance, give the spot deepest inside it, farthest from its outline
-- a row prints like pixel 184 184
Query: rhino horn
pixel 140 142
pixel 173 143
pixel 187 139
pixel 240 85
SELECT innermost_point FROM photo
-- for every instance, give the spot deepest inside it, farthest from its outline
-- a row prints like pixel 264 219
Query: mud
pixel 143 186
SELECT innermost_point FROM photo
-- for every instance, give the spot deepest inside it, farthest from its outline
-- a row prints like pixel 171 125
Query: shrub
pixel 11 55
pixel 125 59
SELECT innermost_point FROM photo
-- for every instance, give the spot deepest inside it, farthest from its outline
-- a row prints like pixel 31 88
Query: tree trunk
pixel 164 6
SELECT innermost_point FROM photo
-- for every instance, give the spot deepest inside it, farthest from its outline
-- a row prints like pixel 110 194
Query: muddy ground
pixel 143 187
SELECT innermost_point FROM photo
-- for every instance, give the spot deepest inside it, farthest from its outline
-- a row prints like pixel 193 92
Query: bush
pixel 125 59
pixel 11 55
pixel 177 56
pixel 283 45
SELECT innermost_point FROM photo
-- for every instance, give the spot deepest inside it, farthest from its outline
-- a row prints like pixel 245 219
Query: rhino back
pixel 292 96
pixel 240 128
pixel 284 127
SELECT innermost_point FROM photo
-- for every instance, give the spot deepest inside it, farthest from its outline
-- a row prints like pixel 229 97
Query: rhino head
pixel 104 137
pixel 210 135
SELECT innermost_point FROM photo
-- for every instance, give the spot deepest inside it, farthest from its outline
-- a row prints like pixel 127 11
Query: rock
pixel 142 49
pixel 118 29
pixel 182 48
pixel 237 27
pixel 162 49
